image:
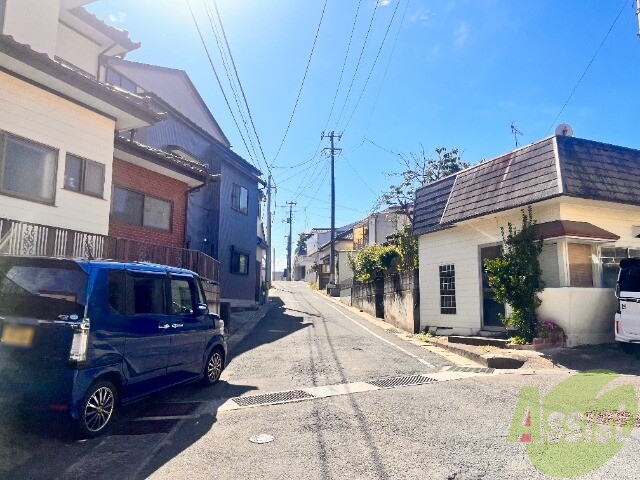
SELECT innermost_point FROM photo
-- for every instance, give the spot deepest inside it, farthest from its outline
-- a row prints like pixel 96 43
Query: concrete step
pixel 479 341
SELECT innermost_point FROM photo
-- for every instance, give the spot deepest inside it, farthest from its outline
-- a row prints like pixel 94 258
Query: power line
pixel 355 72
pixel 233 63
pixel 624 4
pixel 304 77
pixel 384 76
pixel 223 57
pixel 346 56
pixel 359 176
pixel 373 66
pixel 217 77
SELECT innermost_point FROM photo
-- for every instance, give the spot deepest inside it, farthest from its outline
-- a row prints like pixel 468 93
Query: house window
pixel 240 199
pixel 115 78
pixel 580 269
pixel 28 169
pixel 447 289
pixel 84 176
pixel 239 262
pixel 139 209
pixel 610 258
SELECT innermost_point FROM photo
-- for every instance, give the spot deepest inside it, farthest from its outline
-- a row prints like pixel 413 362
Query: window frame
pixel 4 137
pixel 447 281
pixel 142 216
pixel 241 253
pixel 83 175
pixel 236 199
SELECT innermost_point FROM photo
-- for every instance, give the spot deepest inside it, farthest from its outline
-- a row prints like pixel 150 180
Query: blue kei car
pixel 84 337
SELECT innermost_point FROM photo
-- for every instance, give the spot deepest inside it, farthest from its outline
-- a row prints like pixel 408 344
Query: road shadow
pixel 136 445
pixel 608 356
pixel 275 325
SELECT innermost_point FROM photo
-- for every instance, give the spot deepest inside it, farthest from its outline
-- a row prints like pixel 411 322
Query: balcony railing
pixel 30 239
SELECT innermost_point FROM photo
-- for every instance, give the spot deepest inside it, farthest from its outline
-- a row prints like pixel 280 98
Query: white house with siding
pixel 57 121
pixel 585 200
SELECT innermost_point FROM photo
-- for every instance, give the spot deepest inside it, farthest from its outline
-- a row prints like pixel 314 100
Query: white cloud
pixel 117 18
pixel 383 3
pixel 461 34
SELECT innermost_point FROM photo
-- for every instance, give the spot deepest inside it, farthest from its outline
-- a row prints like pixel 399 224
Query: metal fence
pixel 30 239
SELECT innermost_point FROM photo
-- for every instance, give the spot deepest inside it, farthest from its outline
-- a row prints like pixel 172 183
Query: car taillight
pixel 80 342
pixel 617 327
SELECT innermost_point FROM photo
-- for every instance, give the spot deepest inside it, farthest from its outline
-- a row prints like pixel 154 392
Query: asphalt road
pixel 324 375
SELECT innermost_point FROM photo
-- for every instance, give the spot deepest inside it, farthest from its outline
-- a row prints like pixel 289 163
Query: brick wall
pixel 133 177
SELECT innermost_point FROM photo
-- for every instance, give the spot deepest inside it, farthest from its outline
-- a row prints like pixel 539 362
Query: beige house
pixel 56 119
pixel 585 199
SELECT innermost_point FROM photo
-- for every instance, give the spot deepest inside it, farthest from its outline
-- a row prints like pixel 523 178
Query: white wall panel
pixel 32 113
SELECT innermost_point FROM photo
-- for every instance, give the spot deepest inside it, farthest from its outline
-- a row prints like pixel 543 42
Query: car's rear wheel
pixel 98 408
pixel 213 367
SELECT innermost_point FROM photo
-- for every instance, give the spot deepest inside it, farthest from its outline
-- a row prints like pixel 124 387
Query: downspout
pixel 101 55
pixel 187 193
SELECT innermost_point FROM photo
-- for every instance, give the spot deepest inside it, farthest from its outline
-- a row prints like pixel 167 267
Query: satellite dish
pixel 565 130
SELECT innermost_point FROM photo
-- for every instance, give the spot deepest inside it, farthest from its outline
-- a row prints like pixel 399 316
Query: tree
pixel 516 277
pixel 420 169
pixel 371 261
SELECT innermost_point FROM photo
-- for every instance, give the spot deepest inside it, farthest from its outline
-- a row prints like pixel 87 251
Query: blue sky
pixel 432 73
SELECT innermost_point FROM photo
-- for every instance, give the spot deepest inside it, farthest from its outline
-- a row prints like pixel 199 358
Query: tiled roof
pixel 568 228
pixel 431 201
pixel 198 169
pixel 119 98
pixel 599 171
pixel 551 167
pixel 120 36
pixel 522 177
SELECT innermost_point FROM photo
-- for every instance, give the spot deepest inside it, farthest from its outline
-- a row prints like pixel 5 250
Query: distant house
pixel 223 217
pixel 378 228
pixel 343 246
pixel 585 199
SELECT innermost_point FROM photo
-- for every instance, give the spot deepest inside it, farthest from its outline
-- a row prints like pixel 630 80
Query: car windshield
pixel 41 289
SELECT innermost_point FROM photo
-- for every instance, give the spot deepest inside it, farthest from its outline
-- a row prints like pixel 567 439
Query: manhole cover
pixel 268 398
pixel 262 438
pixel 402 381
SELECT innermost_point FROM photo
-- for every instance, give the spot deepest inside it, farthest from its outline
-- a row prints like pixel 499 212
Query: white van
pixel 627 319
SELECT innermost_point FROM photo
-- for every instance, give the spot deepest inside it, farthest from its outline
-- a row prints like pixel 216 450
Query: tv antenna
pixel 515 132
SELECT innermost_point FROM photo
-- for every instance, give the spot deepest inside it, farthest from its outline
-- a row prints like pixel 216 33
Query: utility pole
pixel 332 261
pixel 291 204
pixel 268 259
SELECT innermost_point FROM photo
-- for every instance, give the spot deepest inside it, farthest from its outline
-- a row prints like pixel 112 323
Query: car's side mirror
pixel 202 309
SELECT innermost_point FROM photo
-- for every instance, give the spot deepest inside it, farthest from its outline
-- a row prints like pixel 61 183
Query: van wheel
pixel 213 367
pixel 97 409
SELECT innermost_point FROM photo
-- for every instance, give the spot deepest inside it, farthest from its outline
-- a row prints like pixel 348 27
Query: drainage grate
pixel 402 381
pixel 393 330
pixel 145 427
pixel 173 409
pixel 267 398
pixel 472 369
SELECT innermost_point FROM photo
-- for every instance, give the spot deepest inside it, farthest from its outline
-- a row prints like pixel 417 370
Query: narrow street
pixel 326 379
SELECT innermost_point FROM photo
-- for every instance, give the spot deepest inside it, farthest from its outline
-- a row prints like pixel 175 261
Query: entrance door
pixel 491 310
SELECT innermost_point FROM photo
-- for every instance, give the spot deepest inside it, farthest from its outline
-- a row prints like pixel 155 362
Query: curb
pixel 235 336
pixel 489 361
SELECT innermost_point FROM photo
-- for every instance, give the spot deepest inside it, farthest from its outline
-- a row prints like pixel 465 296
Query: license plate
pixel 18 335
